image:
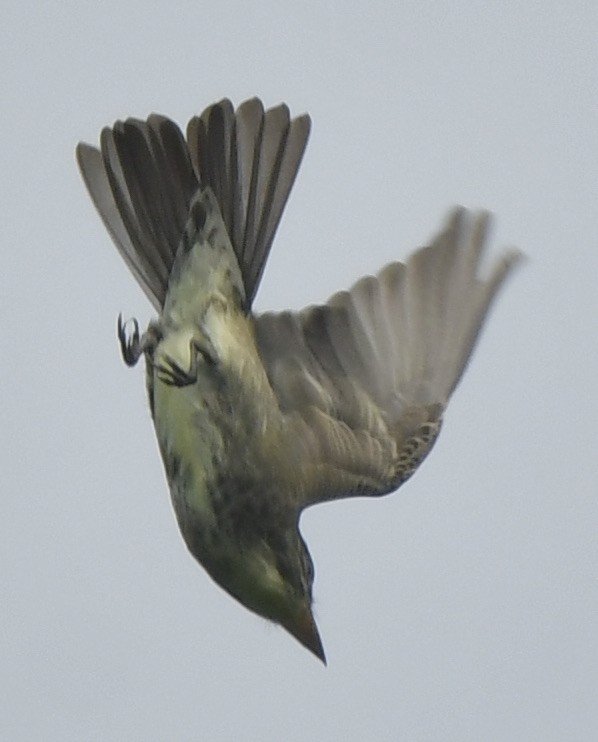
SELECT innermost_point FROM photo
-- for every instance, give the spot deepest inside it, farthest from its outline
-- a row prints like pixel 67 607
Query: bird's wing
pixel 364 380
pixel 144 176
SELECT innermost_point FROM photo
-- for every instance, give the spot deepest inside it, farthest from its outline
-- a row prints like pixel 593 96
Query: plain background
pixel 465 607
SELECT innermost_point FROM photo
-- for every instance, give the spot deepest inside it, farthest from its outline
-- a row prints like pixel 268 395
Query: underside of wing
pixel 144 176
pixel 365 379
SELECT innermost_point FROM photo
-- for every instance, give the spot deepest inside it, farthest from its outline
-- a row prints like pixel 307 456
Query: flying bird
pixel 260 416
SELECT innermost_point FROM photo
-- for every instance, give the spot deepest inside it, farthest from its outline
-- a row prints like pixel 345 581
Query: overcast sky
pixel 463 607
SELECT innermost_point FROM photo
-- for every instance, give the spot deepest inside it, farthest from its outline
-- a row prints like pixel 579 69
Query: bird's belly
pixel 190 443
pixel 214 433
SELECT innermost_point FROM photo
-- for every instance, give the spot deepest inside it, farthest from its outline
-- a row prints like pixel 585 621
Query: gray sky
pixel 463 607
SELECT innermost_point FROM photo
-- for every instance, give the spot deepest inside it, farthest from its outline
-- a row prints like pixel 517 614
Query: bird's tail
pixel 143 179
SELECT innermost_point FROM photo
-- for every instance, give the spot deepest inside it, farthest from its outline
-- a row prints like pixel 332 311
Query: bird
pixel 259 416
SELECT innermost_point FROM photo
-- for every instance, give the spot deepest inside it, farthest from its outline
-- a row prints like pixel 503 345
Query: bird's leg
pixel 172 373
pixel 132 346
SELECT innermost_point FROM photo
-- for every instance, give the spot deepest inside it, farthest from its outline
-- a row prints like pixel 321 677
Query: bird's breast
pixel 218 425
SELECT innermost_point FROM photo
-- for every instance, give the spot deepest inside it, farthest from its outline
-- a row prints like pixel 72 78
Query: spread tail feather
pixel 144 176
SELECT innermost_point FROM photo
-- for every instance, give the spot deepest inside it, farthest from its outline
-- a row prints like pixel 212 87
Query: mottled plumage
pixel 258 417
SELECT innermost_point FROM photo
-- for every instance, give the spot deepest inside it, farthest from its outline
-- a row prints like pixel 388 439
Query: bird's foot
pixel 133 345
pixel 172 373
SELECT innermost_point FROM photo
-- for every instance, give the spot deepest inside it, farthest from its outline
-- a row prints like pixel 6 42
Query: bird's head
pixel 272 577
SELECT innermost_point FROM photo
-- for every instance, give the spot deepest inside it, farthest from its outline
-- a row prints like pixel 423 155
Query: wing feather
pixel 365 378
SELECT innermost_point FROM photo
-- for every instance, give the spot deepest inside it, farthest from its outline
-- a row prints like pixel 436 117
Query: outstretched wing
pixel 365 379
pixel 144 176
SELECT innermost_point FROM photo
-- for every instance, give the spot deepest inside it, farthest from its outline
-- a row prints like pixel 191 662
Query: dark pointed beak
pixel 306 631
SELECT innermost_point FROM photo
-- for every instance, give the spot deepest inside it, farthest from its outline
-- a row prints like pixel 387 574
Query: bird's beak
pixel 305 630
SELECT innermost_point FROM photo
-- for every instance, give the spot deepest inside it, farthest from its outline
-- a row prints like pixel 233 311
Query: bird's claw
pixel 169 372
pixel 130 345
